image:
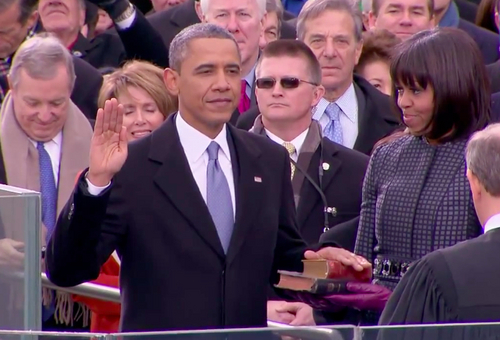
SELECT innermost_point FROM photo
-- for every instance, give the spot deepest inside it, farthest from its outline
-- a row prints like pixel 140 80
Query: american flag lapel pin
pixel 257 179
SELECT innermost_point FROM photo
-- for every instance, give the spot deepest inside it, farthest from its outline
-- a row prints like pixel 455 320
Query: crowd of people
pixel 187 150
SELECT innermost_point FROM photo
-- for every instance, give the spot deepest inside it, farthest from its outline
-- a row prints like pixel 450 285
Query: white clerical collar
pixel 492 223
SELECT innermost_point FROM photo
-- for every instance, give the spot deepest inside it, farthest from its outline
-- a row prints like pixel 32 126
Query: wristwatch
pixel 126 14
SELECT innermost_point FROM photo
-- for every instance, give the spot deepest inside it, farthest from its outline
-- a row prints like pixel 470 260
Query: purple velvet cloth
pixel 362 296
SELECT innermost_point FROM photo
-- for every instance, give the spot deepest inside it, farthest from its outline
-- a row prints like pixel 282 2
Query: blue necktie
pixel 333 131
pixel 48 190
pixel 219 201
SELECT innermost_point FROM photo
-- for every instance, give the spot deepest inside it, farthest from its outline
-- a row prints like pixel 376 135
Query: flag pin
pixel 257 179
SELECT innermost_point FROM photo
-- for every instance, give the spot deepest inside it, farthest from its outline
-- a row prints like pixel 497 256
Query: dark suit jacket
pixel 174 274
pixel 467 10
pixel 342 186
pixel 486 40
pixel 495 108
pixel 450 286
pixel 376 116
pixel 87 85
pixel 169 23
pixel 139 41
pixel 342 236
pixel 493 71
pixel 253 104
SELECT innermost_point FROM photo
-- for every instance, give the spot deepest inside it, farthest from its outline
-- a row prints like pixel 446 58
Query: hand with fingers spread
pixel 108 149
pixel 347 258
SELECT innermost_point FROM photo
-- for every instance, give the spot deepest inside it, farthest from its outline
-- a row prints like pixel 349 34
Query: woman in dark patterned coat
pixel 416 197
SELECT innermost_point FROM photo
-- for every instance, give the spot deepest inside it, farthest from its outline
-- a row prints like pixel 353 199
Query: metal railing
pixel 86 289
pixel 113 295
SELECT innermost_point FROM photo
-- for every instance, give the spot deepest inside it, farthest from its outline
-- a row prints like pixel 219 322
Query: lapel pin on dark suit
pixel 257 179
pixel 78 54
pixel 326 166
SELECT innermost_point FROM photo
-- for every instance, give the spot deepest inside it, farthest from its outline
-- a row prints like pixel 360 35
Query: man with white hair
pixel 45 142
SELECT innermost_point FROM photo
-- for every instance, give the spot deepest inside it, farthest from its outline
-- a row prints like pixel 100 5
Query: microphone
pixel 326 209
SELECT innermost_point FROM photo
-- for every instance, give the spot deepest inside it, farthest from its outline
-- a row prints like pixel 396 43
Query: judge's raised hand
pixel 108 148
pixel 347 258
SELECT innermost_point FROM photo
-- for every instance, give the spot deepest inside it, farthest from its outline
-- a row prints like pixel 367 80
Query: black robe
pixel 459 284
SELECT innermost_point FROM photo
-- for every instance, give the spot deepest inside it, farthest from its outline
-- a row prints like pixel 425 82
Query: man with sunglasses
pixel 288 85
pixel 352 112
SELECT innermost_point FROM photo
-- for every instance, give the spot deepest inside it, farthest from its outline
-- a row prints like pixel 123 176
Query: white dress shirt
pixel 348 103
pixel 53 148
pixel 195 144
pixel 492 223
pixel 297 142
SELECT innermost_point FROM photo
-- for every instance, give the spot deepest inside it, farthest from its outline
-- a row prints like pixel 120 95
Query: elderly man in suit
pixel 172 21
pixel 45 141
pixel 212 217
pixel 137 38
pixel 17 22
pixel 352 112
pixel 430 13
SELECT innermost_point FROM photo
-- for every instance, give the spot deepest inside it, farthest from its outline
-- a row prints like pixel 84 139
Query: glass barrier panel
pixel 270 333
pixel 20 258
pixel 470 331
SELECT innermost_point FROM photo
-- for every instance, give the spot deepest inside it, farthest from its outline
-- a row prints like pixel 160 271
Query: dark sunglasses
pixel 286 83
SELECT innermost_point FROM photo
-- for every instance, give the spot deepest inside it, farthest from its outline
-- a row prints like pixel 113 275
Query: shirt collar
pixel 344 102
pixel 492 223
pixel 297 141
pixel 250 77
pixel 56 140
pixel 196 143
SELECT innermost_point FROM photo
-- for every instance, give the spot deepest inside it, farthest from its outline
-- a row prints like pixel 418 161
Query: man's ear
pixel 32 19
pixel 171 80
pixel 475 186
pixel 199 12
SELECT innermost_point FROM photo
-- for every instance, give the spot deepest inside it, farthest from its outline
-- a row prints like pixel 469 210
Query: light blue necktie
pixel 49 205
pixel 219 201
pixel 48 190
pixel 333 130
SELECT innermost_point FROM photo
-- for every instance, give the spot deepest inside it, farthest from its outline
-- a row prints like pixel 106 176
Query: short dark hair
pixel 377 4
pixel 449 61
pixel 292 48
pixel 179 47
pixel 378 45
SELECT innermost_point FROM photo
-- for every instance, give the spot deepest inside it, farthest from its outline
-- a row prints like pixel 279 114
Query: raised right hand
pixel 108 148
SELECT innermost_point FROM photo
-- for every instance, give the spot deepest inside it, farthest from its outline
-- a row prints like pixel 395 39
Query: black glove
pixel 114 8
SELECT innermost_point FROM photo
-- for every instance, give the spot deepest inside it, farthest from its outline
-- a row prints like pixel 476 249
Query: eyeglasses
pixel 285 82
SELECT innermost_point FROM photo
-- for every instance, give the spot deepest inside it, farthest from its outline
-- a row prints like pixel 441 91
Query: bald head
pixel 483 158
